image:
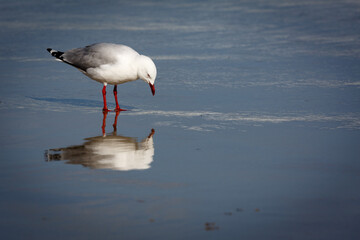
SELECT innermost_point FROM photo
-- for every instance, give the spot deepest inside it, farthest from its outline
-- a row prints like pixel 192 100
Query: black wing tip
pixel 55 53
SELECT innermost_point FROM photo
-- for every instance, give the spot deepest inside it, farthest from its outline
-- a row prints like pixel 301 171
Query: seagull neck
pixel 139 63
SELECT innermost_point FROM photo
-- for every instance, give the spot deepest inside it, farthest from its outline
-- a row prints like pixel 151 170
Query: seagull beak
pixel 152 88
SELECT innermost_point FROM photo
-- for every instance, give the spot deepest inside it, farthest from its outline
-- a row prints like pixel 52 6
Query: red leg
pixel 117 109
pixel 104 123
pixel 115 121
pixel 105 109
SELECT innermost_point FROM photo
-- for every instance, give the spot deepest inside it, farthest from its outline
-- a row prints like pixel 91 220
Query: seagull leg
pixel 115 121
pixel 105 113
pixel 117 109
pixel 105 109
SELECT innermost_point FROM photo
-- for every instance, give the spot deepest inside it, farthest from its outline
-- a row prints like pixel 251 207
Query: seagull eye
pixel 148 75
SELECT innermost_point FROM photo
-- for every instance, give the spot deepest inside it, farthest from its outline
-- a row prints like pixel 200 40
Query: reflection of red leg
pixel 115 121
pixel 117 109
pixel 105 109
pixel 104 122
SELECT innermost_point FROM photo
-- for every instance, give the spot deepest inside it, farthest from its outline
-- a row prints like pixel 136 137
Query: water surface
pixel 253 132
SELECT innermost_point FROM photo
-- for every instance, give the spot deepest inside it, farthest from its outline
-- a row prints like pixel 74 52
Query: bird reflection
pixel 108 152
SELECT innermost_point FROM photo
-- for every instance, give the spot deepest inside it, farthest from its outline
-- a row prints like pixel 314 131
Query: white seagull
pixel 110 63
pixel 110 152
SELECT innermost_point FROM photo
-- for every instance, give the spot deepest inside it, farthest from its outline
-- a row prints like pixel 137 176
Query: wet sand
pixel 253 132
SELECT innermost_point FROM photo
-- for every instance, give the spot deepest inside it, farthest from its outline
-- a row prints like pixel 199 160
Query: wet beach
pixel 253 132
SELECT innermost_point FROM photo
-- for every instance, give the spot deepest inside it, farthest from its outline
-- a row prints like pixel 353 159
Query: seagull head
pixel 147 71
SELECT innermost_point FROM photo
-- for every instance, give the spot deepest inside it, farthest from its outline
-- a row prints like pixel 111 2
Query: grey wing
pixel 89 57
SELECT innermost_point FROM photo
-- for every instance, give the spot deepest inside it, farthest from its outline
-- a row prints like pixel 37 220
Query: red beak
pixel 152 88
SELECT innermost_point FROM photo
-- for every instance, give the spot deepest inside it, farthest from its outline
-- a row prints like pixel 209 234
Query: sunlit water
pixel 253 132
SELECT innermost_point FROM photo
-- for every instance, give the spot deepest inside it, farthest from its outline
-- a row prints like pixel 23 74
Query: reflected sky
pixel 111 151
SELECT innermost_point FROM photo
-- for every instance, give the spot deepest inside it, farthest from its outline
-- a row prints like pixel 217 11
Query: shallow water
pixel 253 132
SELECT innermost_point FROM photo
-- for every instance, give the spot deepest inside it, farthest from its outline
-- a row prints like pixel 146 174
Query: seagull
pixel 110 63
pixel 114 152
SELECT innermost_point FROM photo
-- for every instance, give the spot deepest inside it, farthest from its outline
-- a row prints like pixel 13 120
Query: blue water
pixel 253 132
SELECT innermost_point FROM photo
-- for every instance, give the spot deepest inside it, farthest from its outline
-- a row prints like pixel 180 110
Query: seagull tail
pixel 59 56
pixel 55 53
